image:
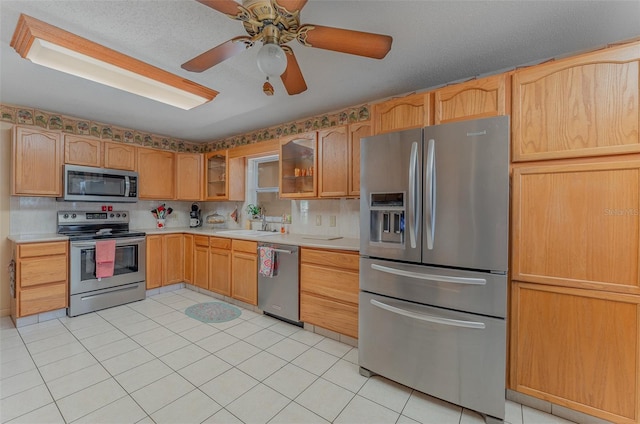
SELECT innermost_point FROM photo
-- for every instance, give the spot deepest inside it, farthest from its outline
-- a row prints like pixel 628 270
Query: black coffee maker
pixel 195 216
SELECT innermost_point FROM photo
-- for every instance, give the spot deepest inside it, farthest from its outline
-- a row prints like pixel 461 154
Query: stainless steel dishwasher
pixel 279 295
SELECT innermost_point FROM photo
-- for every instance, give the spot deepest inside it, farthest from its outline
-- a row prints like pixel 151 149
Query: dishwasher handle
pixel 289 252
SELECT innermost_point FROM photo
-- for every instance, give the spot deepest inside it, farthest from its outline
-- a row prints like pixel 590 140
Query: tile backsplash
pixel 37 215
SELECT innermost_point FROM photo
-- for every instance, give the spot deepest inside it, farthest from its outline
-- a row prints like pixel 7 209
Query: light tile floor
pixel 148 362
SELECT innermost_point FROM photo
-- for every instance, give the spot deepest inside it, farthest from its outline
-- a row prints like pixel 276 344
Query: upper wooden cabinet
pixel 298 165
pixel 189 176
pixel 156 171
pixel 356 133
pixel 480 98
pixel 82 151
pixel 402 113
pixel 586 105
pixel 578 224
pixel 577 348
pixel 333 162
pixel 37 162
pixel 119 156
pixel 224 177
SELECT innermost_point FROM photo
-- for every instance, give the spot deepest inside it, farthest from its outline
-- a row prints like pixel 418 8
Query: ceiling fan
pixel 275 23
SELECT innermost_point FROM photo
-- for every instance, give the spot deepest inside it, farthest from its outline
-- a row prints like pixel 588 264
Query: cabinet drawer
pixel 32 272
pixel 201 240
pixel 42 299
pixel 331 258
pixel 328 314
pixel 338 284
pixel 220 243
pixel 245 246
pixel 42 249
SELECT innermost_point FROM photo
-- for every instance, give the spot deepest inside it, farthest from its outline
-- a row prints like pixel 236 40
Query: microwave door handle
pixel 430 277
pixel 429 318
pixel 413 203
pixel 127 186
pixel 430 184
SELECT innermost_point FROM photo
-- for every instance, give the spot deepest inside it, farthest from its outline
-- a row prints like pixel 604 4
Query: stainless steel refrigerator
pixel 434 219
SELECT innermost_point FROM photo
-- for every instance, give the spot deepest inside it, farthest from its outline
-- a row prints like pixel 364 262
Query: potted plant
pixel 254 210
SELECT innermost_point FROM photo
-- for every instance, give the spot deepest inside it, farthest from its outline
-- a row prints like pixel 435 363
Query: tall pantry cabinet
pixel 575 298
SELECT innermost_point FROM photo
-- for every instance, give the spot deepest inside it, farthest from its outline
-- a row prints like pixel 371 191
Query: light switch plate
pixel 318 220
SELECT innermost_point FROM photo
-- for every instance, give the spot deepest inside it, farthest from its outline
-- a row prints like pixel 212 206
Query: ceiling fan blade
pixel 218 54
pixel 292 77
pixel 228 7
pixel 292 5
pixel 341 40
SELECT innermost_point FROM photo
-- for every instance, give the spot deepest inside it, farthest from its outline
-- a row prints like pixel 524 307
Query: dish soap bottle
pixel 282 229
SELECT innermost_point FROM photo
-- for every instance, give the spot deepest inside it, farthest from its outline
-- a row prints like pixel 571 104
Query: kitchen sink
pixel 252 233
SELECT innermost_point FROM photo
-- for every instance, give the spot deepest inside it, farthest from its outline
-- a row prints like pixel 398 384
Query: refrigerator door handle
pixel 430 185
pixel 413 204
pixel 430 277
pixel 429 318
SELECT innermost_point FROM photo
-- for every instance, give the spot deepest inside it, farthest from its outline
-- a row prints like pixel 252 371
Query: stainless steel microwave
pixel 89 184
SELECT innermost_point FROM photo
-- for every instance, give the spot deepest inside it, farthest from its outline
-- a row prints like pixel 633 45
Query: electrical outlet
pixel 318 220
pixel 332 221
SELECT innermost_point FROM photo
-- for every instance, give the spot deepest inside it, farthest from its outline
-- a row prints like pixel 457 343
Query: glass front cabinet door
pixel 298 165
pixel 216 175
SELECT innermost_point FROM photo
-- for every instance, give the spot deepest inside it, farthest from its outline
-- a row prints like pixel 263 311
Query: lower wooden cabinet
pixel 188 258
pixel 577 348
pixel 42 282
pixel 220 265
pixel 244 264
pixel 329 289
pixel 165 260
pixel 201 261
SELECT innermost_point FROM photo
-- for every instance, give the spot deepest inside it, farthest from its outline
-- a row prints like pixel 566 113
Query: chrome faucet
pixel 265 225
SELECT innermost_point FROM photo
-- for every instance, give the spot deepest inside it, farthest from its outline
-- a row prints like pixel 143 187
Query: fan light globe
pixel 272 60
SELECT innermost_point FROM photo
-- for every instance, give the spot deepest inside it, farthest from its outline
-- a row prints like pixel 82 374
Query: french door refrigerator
pixel 434 219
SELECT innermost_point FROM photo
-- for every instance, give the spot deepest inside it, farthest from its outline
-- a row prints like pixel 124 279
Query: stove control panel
pixel 84 217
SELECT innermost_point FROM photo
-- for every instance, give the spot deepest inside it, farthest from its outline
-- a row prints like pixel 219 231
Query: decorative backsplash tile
pixel 67 124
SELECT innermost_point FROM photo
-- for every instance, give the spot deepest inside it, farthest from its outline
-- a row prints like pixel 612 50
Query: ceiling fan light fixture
pixel 272 60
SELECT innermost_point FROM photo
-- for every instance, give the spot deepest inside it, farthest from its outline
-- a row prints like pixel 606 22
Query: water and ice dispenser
pixel 387 218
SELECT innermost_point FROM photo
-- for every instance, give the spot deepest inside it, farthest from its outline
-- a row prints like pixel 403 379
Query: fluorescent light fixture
pixel 58 49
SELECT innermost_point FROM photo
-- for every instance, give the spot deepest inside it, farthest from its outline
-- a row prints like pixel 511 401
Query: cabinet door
pixel 586 105
pixel 173 259
pixel 578 224
pixel 220 271
pixel 356 133
pixel 154 261
pixel 577 348
pixel 188 258
pixel 157 174
pixel 201 265
pixel 189 176
pixel 333 162
pixel 474 99
pixel 216 181
pixel 298 163
pixel 403 113
pixel 119 156
pixel 82 151
pixel 244 279
pixel 37 163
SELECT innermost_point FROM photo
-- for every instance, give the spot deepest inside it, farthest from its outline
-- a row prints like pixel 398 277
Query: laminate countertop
pixel 304 240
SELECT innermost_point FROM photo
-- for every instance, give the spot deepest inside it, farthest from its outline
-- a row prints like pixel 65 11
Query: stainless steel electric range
pixel 87 293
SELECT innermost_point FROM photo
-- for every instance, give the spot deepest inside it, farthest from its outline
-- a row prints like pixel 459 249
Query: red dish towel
pixel 268 265
pixel 105 258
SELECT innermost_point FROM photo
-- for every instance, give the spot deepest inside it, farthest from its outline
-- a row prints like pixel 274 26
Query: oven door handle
pixel 119 242
pixel 429 318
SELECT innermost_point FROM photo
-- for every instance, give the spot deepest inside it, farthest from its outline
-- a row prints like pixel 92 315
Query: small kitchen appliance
pixel 195 216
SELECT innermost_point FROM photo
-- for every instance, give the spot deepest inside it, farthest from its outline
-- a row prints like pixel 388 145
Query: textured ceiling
pixel 434 42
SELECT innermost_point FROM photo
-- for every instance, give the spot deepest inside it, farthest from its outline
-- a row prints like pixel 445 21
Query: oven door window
pixel 126 261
